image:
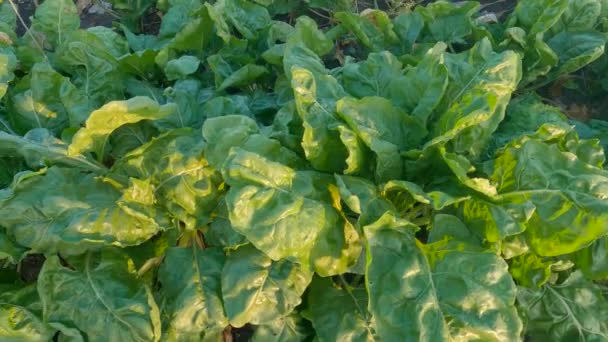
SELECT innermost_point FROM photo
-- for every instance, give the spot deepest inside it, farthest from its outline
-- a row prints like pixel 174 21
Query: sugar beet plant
pixel 359 177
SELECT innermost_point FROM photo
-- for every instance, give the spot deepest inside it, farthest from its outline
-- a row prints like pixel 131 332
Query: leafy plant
pixel 367 176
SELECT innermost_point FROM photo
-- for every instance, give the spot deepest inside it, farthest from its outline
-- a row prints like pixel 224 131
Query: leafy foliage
pixel 386 176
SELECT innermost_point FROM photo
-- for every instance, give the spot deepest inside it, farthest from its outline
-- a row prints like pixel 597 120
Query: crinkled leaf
pixel 572 310
pixel 51 102
pixel 111 116
pixel 538 16
pixel 64 210
pixel 316 98
pixel 384 129
pixel 40 148
pixel 459 297
pixel 481 83
pixel 54 19
pixel 576 49
pixel 447 22
pixel 258 290
pixel 289 328
pixel 191 293
pixel 289 214
pixel 338 314
pixel 10 251
pixel 101 296
pixel 568 194
pixel 187 186
pixel 20 318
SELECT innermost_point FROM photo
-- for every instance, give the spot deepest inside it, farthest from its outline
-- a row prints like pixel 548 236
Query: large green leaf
pixel 538 16
pixel 9 251
pixel 51 102
pixel 20 315
pixel 94 69
pixel 64 210
pixel 481 83
pixel 460 298
pixel 39 149
pixel 226 132
pixel 316 97
pixel 289 214
pixel 576 49
pixel 384 129
pixel 183 180
pixel 372 28
pixel 258 290
pixel 101 296
pixel 338 314
pixel 111 116
pixel 568 194
pixel 191 294
pixel 447 22
pixel 574 310
pixel 289 328
pixel 54 19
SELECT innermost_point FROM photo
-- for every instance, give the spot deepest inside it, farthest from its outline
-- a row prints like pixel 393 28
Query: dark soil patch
pixel 30 267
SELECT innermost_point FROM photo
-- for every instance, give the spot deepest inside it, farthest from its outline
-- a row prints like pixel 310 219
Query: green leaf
pixel 10 251
pixel 568 194
pixel 51 102
pixel 191 293
pixel 447 22
pixel 579 15
pixel 593 260
pixel 268 200
pixel 243 76
pixel 185 184
pixel 93 68
pixel 384 129
pixel 425 84
pixel 397 272
pixel 307 33
pixel 444 278
pixel 39 149
pixel 247 17
pixel 408 27
pixel 226 132
pixel 572 310
pixel 114 43
pixel 188 113
pixel 538 16
pixel 55 19
pixel 576 49
pixel 101 296
pixel 316 98
pixel 177 17
pixel 70 212
pixel 364 198
pixel 338 314
pixel 7 66
pixel 181 67
pixel 289 328
pixel 220 232
pixel 258 290
pixel 111 116
pixel 481 83
pixel 372 28
pixel 20 316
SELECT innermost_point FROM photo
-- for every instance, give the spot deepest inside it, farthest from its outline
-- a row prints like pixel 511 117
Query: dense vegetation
pixel 304 170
